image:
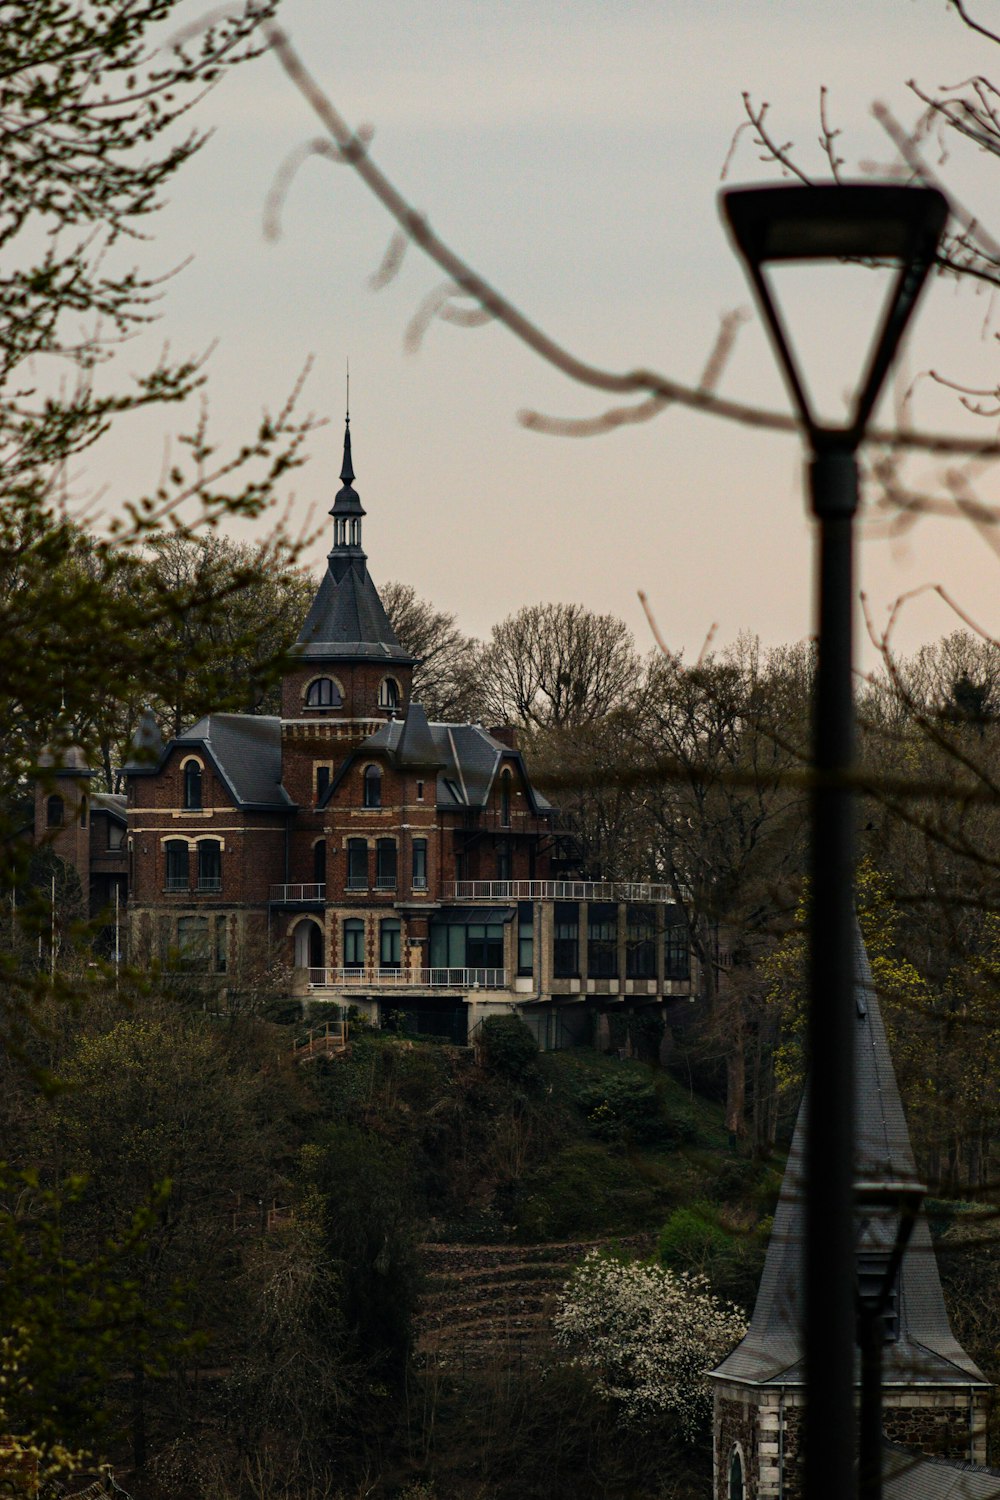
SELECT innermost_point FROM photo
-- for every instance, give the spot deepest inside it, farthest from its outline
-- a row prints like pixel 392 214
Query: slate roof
pixel 926 1350
pixel 468 758
pixel 245 749
pixel 112 803
pixel 346 621
pixel 415 748
pixel 907 1477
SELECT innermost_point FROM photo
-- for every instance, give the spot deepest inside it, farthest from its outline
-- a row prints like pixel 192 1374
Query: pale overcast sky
pixel 572 151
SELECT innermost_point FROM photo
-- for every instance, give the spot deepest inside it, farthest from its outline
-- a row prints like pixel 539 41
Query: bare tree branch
pixel 640 382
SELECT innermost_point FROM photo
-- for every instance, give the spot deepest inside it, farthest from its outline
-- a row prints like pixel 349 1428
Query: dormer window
pixel 388 693
pixel 192 786
pixel 373 786
pixel 323 692
pixel 505 800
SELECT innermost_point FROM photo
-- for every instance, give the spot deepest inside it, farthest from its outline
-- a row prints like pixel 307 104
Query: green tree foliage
pixel 94 100
pixel 153 1110
pixel 363 1183
pixel 70 1319
pixel 509 1049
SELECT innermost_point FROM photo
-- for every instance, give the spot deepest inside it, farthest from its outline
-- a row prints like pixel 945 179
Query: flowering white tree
pixel 649 1334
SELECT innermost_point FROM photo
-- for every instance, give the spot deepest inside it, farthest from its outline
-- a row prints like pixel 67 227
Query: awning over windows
pixel 469 916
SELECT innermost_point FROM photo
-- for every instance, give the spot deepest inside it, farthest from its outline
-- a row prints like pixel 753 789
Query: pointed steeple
pixel 924 1349
pixel 347 509
pixel 347 620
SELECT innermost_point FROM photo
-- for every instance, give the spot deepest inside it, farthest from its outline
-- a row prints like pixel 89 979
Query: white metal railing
pixel 398 978
pixel 560 890
pixel 288 895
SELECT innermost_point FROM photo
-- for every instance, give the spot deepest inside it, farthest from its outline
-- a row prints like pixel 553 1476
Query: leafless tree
pixel 445 678
pixel 557 666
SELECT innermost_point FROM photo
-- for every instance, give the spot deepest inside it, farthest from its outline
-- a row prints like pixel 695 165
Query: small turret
pixel 347 509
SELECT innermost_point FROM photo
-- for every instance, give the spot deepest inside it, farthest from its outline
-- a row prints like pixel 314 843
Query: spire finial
pixel 348 391
pixel 347 468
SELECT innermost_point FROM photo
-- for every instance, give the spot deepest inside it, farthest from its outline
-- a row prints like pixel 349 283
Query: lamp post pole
pixel 829 1292
pixel 876 224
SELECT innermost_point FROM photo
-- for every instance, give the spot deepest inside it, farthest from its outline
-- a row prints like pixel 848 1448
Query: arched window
pixel 192 786
pixel 323 692
pixel 55 812
pixel 736 1475
pixel 373 786
pixel 388 693
pixel 505 800
pixel 83 812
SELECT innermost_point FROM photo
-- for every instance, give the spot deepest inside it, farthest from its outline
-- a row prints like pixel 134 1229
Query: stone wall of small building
pixel 949 1423
pixel 765 1422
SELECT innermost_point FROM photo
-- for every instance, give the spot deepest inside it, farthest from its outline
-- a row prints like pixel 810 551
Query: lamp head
pixel 882 223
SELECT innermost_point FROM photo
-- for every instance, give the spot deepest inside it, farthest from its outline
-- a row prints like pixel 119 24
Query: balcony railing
pixel 417 979
pixel 560 890
pixel 177 883
pixel 295 895
pixel 210 882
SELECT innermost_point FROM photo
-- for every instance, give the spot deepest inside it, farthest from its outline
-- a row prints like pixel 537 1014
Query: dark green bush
pixel 509 1049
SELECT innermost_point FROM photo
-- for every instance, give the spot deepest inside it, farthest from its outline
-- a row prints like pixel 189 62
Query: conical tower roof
pixel 925 1350
pixel 346 621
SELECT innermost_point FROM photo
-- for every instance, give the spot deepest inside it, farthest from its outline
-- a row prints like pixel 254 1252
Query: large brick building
pixel 392 863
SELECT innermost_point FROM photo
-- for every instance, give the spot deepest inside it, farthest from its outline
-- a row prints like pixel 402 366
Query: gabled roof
pixel 467 756
pixel 926 1350
pixel 245 750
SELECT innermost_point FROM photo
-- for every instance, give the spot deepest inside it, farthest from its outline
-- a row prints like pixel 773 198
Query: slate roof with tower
pixel 925 1351
pixel 346 621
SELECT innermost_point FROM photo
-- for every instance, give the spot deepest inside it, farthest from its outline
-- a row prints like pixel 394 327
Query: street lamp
pixel 884 225
pixel 888 1211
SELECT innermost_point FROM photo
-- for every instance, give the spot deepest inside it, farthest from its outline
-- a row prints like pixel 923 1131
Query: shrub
pixel 649 1336
pixel 623 1107
pixel 509 1049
